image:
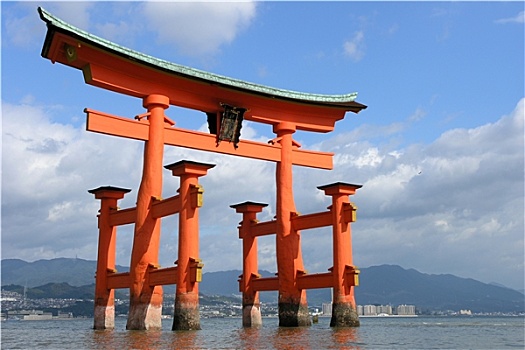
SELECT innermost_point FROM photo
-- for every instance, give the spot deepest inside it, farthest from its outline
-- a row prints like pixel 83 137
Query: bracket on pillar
pixel 352 275
pixel 350 212
pixel 153 266
pixel 196 192
pixel 196 266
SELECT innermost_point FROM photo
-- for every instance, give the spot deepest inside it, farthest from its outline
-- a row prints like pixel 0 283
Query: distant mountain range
pixel 385 284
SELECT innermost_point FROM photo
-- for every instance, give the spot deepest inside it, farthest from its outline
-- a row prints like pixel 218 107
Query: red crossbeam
pixel 158 277
pixel 118 126
pixel 119 280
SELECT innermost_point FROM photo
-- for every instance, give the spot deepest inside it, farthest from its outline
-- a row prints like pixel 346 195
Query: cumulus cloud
pixel 194 28
pixel 354 48
pixel 78 13
pixel 47 169
pixel 455 205
pixel 519 18
pixel 21 30
pixel 198 28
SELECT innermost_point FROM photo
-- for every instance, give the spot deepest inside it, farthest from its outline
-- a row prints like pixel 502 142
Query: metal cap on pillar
pixel 109 192
pixel 339 188
pixel 183 167
pixel 248 206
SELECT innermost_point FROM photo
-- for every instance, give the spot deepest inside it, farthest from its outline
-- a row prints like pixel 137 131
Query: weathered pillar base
pixel 293 315
pixel 186 316
pixel 251 315
pixel 344 315
pixel 144 316
pixel 104 317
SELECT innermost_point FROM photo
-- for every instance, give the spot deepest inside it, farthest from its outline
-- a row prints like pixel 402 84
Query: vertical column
pixel 145 309
pixel 186 315
pixel 105 297
pixel 293 307
pixel 251 306
pixel 344 310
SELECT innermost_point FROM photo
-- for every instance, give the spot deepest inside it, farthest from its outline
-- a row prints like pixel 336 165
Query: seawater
pixel 227 333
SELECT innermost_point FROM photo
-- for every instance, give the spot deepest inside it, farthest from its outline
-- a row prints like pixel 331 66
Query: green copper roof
pixel 55 24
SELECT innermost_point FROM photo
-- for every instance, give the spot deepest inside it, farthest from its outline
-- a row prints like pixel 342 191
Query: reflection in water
pixel 184 340
pixel 346 338
pixel 291 338
pixel 143 339
pixel 227 333
pixel 248 338
pixel 103 339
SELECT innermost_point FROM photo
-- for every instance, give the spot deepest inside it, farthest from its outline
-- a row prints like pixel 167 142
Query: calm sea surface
pixel 374 333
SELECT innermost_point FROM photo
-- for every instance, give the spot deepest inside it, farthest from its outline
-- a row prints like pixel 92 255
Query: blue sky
pixel 439 150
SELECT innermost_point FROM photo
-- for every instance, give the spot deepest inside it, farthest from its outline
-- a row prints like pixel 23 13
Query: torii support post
pixel 145 309
pixel 186 315
pixel 344 310
pixel 293 307
pixel 104 296
pixel 251 306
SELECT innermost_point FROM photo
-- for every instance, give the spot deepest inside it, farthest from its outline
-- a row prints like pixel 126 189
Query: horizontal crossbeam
pixel 315 280
pixel 265 284
pixel 119 280
pixel 165 207
pixel 299 222
pixel 118 126
pixel 305 281
pixel 309 221
pixel 163 276
pixel 264 228
pixel 123 217
pixel 159 209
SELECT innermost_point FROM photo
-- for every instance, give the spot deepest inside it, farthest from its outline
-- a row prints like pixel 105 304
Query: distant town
pixel 15 306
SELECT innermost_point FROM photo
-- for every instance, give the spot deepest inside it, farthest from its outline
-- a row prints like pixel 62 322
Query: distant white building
pixel 327 309
pixel 384 309
pixel 369 310
pixel 406 310
pixel 360 310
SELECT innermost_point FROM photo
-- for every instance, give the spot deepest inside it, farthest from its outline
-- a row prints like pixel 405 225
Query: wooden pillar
pixel 145 309
pixel 293 307
pixel 105 297
pixel 344 310
pixel 251 306
pixel 186 315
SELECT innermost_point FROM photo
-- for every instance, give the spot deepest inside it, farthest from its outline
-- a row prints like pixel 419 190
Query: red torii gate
pixel 226 103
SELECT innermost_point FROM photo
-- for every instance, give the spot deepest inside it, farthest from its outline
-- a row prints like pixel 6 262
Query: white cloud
pixel 21 30
pixel 77 13
pixel 519 18
pixel 354 48
pixel 116 32
pixel 419 114
pixel 47 169
pixel 194 28
pixel 198 28
pixel 458 201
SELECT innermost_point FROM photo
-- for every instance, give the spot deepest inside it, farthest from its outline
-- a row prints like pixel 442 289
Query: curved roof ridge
pixel 189 72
